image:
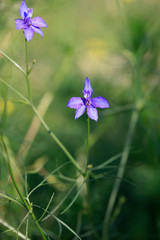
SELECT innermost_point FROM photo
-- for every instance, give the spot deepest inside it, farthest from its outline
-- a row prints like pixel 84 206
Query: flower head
pixel 81 104
pixel 29 25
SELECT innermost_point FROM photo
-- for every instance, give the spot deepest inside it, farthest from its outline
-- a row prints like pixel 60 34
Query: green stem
pixel 13 62
pixel 46 127
pixel 44 123
pixel 38 226
pixel 88 137
pixel 28 207
pixel 12 176
pixel 120 173
pixel 27 73
pixel 60 144
pixel 90 209
pixel 87 171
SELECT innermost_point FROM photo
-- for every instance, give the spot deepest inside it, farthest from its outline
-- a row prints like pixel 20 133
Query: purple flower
pixel 29 25
pixel 80 104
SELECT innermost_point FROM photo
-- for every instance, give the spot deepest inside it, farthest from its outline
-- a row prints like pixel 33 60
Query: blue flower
pixel 29 25
pixel 81 104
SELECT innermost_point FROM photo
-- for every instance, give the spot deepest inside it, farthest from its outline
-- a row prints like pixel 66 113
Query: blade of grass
pixel 15 91
pixel 54 137
pixel 65 225
pixel 61 176
pixel 21 235
pixel 61 202
pixel 74 199
pixel 13 62
pixel 28 207
pixel 60 221
pixel 120 173
pixel 26 229
pixel 11 199
pixel 79 223
pixel 18 228
pixel 46 207
pixel 110 160
pixel 55 170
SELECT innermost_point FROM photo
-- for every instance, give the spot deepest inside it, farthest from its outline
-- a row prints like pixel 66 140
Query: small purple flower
pixel 80 104
pixel 29 25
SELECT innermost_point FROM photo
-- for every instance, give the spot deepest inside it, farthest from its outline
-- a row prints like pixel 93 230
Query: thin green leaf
pixel 11 199
pixel 14 90
pixel 18 228
pixel 26 229
pixel 60 221
pixel 40 184
pixel 13 229
pixel 46 207
pixel 74 199
pixel 65 225
pixel 61 202
pixel 12 61
pixel 79 223
pixel 61 176
pixel 110 160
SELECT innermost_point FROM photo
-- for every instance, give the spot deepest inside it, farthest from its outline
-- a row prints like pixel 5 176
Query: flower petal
pixel 92 112
pixel 29 32
pixel 23 9
pixel 80 111
pixel 100 102
pixel 20 24
pixel 29 12
pixel 39 22
pixel 75 102
pixel 37 30
pixel 87 91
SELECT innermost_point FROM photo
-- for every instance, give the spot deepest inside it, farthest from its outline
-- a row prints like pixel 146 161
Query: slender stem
pixel 88 137
pixel 15 91
pixel 11 199
pixel 43 122
pixel 87 174
pixel 60 144
pixel 38 226
pixel 27 72
pixel 28 207
pixel 120 173
pixel 90 209
pixel 13 62
pixel 12 176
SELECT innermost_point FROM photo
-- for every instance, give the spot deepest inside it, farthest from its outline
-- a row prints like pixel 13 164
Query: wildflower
pixel 80 104
pixel 29 25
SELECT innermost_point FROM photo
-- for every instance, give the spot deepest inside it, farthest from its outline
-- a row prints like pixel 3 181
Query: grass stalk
pixel 120 173
pixel 27 206
pixel 54 137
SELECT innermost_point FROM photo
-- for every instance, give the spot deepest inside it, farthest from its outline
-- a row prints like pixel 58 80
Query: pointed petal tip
pixel 87 91
pixel 100 102
pixel 80 111
pixel 39 22
pixel 23 9
pixel 37 30
pixel 75 102
pixel 92 113
pixel 29 32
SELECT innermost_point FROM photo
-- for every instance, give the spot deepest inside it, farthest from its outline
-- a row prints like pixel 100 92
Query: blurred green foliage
pixel 116 44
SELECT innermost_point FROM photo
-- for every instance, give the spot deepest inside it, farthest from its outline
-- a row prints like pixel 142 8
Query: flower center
pixel 28 21
pixel 88 102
